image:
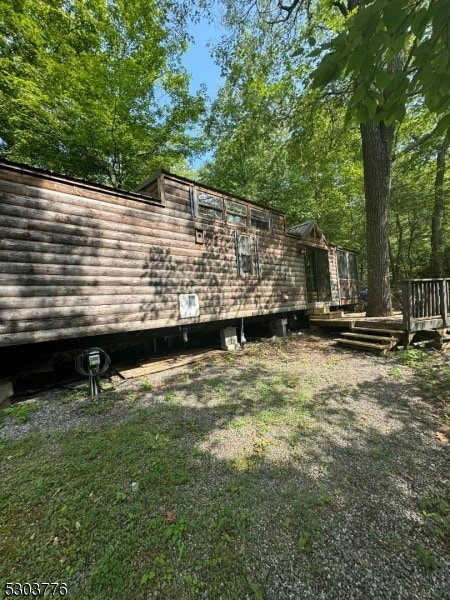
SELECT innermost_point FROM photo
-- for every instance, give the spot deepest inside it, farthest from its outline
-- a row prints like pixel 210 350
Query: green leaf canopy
pixel 96 88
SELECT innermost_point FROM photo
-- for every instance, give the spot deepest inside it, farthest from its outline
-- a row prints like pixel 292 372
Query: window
pixel 259 219
pixel 352 266
pixel 210 206
pixel 342 265
pixel 348 275
pixel 347 265
pixel 246 254
pixel 236 213
pixel 317 272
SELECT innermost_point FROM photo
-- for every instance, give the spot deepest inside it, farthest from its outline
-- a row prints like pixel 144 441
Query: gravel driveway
pixel 339 457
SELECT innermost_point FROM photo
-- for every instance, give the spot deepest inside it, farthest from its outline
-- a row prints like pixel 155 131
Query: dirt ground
pixel 349 450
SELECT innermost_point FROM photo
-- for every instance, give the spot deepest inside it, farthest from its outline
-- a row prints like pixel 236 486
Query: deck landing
pixel 352 320
pixel 377 334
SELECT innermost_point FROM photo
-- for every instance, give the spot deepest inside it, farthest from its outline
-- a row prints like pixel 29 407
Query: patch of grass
pixel 247 463
pixel 413 358
pixel 426 558
pixel 171 398
pixel 432 376
pixel 344 394
pixel 438 511
pixel 20 411
pixel 378 453
pixel 396 373
pixel 53 493
pixel 304 520
pixel 133 396
pixel 98 405
pixel 69 396
pixel 147 385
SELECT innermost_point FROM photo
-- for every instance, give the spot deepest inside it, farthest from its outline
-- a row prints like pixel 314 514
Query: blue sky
pixel 198 60
pixel 201 66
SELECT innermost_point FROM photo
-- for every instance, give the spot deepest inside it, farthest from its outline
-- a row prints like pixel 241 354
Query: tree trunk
pixel 437 261
pixel 377 140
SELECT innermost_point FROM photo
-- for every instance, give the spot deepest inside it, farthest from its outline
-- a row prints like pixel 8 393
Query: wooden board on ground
pixel 157 365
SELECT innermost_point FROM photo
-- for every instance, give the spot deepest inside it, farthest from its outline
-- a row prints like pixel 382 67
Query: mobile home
pixel 79 259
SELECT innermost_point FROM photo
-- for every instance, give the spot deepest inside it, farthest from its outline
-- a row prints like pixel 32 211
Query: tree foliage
pixel 281 145
pixel 385 60
pixel 96 88
pixel 376 33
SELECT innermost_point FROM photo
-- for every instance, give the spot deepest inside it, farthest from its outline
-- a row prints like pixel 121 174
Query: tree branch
pixel 288 9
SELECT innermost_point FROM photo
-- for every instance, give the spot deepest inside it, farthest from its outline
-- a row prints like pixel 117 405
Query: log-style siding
pixel 79 259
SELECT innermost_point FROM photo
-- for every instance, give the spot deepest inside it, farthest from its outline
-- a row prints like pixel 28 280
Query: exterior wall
pixel 78 260
pixel 334 278
pixel 320 244
pixel 213 273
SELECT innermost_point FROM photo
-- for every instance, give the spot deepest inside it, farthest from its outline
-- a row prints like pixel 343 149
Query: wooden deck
pixel 425 307
pixel 381 334
pixel 352 320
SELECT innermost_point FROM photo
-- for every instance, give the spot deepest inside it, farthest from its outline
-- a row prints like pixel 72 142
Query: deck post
pixel 407 305
pixel 407 338
pixel 444 302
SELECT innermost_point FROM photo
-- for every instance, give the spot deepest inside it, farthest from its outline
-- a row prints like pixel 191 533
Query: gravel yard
pixel 291 469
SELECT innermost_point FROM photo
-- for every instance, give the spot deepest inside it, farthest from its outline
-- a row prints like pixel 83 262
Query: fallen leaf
pixel 170 516
pixel 442 437
pixel 56 492
pixel 55 540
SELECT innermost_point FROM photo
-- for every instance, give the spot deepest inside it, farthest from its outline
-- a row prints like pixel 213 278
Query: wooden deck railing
pixel 426 304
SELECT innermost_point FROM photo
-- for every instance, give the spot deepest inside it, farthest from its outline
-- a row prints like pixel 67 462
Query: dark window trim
pixel 195 202
pixel 253 255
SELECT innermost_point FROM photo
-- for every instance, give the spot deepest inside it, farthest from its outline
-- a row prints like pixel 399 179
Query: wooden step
pixel 337 314
pixel 321 310
pixel 363 345
pixel 392 332
pixel 364 336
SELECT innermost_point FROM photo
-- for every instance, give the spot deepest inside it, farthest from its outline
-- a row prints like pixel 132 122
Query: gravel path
pixel 337 490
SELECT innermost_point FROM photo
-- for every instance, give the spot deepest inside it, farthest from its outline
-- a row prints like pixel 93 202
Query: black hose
pixel 79 362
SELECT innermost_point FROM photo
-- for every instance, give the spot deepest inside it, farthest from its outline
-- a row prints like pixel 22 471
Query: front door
pixel 317 275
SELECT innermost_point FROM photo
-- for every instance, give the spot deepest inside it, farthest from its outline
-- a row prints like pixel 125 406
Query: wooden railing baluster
pixel 426 299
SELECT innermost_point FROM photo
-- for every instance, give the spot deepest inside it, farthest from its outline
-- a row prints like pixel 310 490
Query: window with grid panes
pixel 236 213
pixel 210 206
pixel 259 219
pixel 246 254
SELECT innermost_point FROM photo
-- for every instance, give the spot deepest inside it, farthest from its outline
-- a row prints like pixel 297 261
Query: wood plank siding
pixel 80 259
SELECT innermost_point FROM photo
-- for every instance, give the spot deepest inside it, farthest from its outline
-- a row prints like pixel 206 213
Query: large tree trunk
pixel 437 261
pixel 377 140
